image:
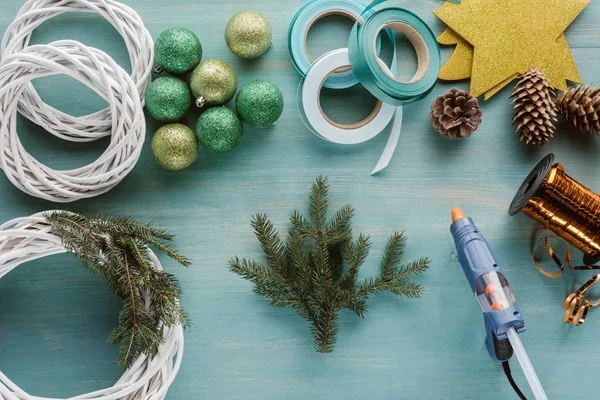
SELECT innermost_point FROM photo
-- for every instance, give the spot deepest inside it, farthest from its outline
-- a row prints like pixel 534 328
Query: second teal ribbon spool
pixel 366 64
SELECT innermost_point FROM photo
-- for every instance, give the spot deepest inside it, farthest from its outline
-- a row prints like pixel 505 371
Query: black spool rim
pixel 591 259
pixel 531 184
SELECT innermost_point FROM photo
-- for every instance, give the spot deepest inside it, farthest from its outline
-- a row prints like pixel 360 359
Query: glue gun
pixel 503 319
pixel 492 291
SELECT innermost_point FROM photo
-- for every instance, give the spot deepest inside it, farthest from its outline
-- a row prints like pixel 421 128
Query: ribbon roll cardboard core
pixel 354 125
pixel 321 124
pixel 325 14
pixel 418 42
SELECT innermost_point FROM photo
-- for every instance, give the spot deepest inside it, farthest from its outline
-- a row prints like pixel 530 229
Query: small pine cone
pixel 581 106
pixel 455 114
pixel 534 109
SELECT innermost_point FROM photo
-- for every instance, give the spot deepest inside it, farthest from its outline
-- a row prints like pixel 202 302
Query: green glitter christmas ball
pixel 219 130
pixel 178 50
pixel 213 83
pixel 248 34
pixel 174 146
pixel 259 103
pixel 168 99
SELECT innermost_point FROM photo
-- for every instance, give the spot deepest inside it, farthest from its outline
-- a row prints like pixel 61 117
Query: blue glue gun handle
pixel 499 349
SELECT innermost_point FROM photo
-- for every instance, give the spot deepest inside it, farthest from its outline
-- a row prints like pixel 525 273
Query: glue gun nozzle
pixel 457 214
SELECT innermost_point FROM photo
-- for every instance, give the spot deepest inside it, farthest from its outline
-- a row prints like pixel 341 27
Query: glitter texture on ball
pixel 168 99
pixel 213 83
pixel 175 147
pixel 248 34
pixel 178 50
pixel 219 130
pixel 259 103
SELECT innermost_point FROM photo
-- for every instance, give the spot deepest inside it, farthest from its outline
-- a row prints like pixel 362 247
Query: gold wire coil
pixel 570 210
pixel 577 306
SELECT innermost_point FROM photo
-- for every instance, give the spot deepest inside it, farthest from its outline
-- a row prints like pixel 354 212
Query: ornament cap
pixel 200 101
pixel 158 69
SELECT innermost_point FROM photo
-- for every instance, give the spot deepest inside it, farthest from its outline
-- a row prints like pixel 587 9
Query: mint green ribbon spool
pixel 366 64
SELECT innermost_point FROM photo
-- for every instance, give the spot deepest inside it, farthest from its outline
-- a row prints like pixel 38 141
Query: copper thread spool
pixel 562 205
pixel 570 210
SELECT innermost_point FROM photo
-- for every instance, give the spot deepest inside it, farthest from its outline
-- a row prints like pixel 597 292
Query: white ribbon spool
pixel 126 22
pixel 148 378
pixel 358 132
pixel 99 72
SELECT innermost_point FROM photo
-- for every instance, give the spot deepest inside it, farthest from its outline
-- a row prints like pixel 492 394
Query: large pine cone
pixel 455 114
pixel 581 106
pixel 534 108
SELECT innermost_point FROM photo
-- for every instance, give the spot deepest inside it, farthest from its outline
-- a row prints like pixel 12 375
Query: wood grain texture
pixel 55 317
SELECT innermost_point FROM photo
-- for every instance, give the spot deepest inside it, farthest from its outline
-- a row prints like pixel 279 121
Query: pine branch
pixel 356 254
pixel 416 267
pixel 302 225
pixel 296 258
pixel 393 252
pixel 255 272
pixel 325 332
pixel 397 283
pixel 318 203
pixel 315 271
pixel 270 242
pixel 118 249
pixel 340 220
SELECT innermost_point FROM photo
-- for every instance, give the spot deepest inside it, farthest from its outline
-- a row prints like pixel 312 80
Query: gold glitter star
pixel 506 38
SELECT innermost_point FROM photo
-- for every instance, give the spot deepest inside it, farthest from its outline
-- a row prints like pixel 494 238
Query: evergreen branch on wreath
pixel 118 249
pixel 315 271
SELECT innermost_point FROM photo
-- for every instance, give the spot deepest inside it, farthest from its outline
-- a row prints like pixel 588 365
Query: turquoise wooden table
pixel 55 317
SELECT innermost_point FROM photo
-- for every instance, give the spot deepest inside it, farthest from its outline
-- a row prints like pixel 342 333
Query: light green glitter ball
pixel 259 103
pixel 248 34
pixel 219 130
pixel 178 50
pixel 175 146
pixel 213 83
pixel 168 99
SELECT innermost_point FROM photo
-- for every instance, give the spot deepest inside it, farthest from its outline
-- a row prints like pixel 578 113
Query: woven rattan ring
pixel 149 377
pixel 99 72
pixel 125 21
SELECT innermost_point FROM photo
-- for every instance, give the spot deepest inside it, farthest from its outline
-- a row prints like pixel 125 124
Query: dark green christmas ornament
pixel 177 50
pixel 219 130
pixel 213 83
pixel 175 146
pixel 168 99
pixel 259 103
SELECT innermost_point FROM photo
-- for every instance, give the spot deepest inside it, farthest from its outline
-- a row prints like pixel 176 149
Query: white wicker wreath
pixel 98 71
pixel 129 25
pixel 148 378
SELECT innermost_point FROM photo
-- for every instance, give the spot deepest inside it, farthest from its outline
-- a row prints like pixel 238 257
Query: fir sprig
pixel 118 249
pixel 315 271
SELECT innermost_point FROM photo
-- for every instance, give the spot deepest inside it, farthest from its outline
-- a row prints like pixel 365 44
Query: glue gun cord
pixel 506 368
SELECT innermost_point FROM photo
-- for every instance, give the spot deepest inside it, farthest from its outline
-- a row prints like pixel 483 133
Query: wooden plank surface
pixel 55 317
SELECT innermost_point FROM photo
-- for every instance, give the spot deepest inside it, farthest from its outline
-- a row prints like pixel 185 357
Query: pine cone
pixel 581 106
pixel 455 114
pixel 534 109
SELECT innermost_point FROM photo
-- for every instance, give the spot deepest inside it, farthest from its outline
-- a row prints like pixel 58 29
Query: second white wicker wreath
pixel 148 378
